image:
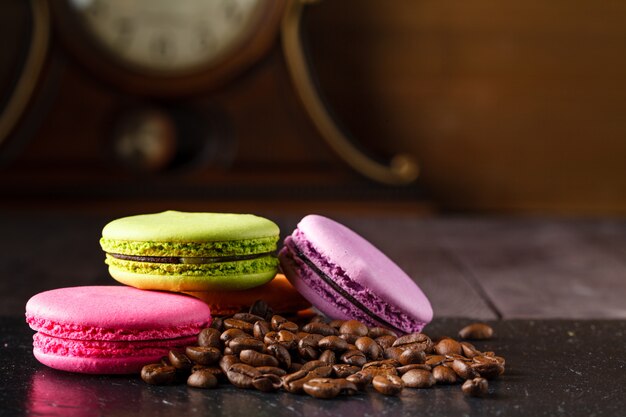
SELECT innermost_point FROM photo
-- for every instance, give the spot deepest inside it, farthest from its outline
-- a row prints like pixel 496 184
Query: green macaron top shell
pixel 174 233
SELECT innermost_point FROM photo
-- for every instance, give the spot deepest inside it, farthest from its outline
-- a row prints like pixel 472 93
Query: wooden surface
pixel 483 268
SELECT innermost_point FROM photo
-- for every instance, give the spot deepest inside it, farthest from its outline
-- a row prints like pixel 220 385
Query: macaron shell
pixel 126 365
pixel 115 313
pixel 178 226
pixel 342 254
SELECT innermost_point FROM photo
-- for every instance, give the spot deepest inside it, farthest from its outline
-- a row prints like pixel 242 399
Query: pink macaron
pixel 111 329
pixel 345 277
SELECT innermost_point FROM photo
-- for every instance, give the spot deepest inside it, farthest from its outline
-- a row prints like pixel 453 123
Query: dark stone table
pixel 553 289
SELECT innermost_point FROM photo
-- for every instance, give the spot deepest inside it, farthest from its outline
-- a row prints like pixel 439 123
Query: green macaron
pixel 177 251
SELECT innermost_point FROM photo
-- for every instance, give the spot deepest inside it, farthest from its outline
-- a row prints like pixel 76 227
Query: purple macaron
pixel 345 277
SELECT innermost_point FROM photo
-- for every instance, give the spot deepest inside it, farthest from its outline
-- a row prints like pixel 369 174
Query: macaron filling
pixel 342 291
pixel 187 259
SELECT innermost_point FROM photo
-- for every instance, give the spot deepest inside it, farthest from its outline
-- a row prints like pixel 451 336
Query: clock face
pixel 169 37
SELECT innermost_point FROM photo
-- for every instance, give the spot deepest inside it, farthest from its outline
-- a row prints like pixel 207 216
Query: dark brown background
pixel 508 105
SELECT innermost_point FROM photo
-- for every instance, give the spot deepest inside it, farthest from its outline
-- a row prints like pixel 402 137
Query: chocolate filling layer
pixel 343 292
pixel 187 259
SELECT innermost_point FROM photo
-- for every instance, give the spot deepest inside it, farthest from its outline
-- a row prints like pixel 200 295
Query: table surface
pixel 554 290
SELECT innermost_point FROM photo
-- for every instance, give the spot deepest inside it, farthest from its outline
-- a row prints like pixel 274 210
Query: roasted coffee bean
pixel 476 387
pixel 254 358
pixel 487 367
pixel 469 350
pixel 212 369
pixel 290 326
pixel 346 387
pixel 343 370
pixel 444 375
pixel 287 339
pixel 322 388
pixel 380 370
pixel 319 319
pixel 388 384
pixel 267 382
pixel 179 360
pixel 271 338
pixel 376 332
pixel 295 367
pixel 447 346
pixel 329 357
pixel 385 341
pixel 260 329
pixel 354 327
pixel 210 337
pixel 226 361
pixel 353 357
pixel 217 324
pixel 203 355
pixel 238 324
pixel 360 379
pixel 158 374
pixel 241 375
pixel 231 334
pixel 416 340
pixel 202 379
pixel 165 361
pixel 271 370
pixel 411 356
pixel 294 383
pixel 334 343
pixel 393 353
pixel 245 343
pixel 418 378
pixel 463 369
pixel 434 360
pixel 336 324
pixel 320 328
pixel 310 365
pixel 248 317
pixel 476 331
pixel 308 346
pixel 349 338
pixel 281 354
pixel 369 347
pixel 276 321
pixel 227 351
pixel 406 368
pixel 261 309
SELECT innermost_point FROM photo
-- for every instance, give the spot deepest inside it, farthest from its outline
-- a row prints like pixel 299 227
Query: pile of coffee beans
pixel 267 352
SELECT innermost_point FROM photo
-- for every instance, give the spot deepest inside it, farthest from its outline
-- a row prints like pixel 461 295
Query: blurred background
pixel 500 106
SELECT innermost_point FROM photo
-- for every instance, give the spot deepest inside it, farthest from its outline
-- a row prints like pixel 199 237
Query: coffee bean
pixel 388 384
pixel 393 353
pixel 311 365
pixel 210 337
pixel 318 319
pixel 158 374
pixel 346 387
pixel 349 338
pixel 333 343
pixel 203 355
pixel 287 339
pixel 418 378
pixel 328 356
pixel 320 328
pixel 267 382
pixel 336 324
pixel 245 343
pixel 360 380
pixel 463 369
pixel 231 334
pixel 217 323
pixel 411 356
pixel 179 360
pixel 476 331
pixel 376 332
pixel 444 375
pixel 406 368
pixel 227 361
pixel 261 309
pixel 418 341
pixel 434 360
pixel 238 324
pixel 271 370
pixel 343 370
pixel 212 369
pixel 322 388
pixel 202 379
pixel 354 327
pixel 281 354
pixel 447 346
pixel 477 387
pixel 369 347
pixel 469 350
pixel 295 367
pixel 276 321
pixel 385 341
pixel 294 383
pixel 248 317
pixel 165 361
pixel 290 326
pixel 487 367
pixel 241 375
pixel 353 357
pixel 260 329
pixel 254 358
pixel 308 346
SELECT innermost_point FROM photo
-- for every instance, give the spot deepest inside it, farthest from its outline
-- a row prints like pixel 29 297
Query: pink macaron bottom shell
pixel 326 299
pixel 95 365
